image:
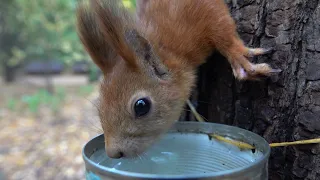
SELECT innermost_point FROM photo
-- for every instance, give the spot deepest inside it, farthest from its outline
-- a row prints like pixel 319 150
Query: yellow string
pixel 243 145
pixel 194 112
pixel 309 141
pixel 239 144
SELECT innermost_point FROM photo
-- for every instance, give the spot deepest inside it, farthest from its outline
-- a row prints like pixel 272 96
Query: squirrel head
pixel 143 90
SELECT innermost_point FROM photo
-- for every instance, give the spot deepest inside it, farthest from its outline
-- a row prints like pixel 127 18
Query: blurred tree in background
pixel 9 37
pixel 44 29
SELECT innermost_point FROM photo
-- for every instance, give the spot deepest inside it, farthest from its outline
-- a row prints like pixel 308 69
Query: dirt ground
pixel 45 145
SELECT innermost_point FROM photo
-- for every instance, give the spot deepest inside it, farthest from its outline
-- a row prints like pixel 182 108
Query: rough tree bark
pixel 282 108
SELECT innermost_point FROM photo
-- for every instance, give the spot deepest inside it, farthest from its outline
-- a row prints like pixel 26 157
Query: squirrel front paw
pixel 243 69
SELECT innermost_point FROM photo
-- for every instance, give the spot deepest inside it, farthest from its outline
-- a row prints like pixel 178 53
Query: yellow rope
pixel 240 145
pixel 194 111
pixel 309 141
pixel 243 145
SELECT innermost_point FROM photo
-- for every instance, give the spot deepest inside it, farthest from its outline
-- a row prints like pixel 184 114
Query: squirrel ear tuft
pixel 147 59
pixel 92 38
pixel 114 20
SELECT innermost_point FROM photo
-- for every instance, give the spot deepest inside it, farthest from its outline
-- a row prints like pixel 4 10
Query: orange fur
pixel 155 56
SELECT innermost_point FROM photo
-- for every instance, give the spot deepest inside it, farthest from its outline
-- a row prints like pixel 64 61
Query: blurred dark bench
pixel 44 67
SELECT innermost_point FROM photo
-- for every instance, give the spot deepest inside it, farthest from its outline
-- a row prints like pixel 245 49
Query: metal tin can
pixel 185 152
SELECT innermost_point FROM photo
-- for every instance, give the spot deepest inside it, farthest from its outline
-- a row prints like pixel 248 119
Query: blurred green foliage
pixel 130 4
pixel 42 97
pixel 12 104
pixel 43 29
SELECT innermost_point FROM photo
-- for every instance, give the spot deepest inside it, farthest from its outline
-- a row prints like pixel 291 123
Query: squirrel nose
pixel 114 153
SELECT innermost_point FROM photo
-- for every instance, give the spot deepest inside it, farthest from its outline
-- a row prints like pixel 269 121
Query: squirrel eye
pixel 142 107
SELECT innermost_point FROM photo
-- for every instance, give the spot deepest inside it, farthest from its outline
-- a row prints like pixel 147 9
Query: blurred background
pixel 48 87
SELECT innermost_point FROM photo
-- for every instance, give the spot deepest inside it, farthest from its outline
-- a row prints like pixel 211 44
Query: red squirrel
pixel 149 62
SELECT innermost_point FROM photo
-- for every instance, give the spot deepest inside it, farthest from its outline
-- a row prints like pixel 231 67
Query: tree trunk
pixel 282 108
pixel 49 81
pixel 9 73
pixel 7 41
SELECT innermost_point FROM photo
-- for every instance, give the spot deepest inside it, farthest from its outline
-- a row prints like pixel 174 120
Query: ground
pixel 46 144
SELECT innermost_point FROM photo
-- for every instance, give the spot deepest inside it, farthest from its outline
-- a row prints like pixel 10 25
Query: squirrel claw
pixel 268 50
pixel 275 71
pixel 259 51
